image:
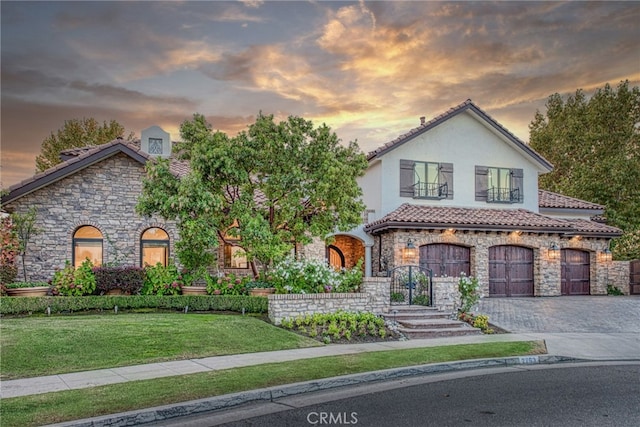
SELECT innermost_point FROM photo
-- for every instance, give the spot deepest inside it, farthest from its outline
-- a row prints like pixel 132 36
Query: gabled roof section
pixel 468 105
pixel 409 216
pixel 83 158
pixel 550 200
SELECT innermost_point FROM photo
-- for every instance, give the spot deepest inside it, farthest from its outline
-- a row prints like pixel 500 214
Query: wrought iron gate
pixel 411 284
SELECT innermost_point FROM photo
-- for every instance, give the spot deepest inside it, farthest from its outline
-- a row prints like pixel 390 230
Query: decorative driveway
pixel 592 314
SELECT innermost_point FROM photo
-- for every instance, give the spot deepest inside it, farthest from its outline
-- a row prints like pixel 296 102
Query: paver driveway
pixel 605 314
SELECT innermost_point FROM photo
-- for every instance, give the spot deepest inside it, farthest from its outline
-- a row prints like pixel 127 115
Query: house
pixel 463 191
pixel 460 188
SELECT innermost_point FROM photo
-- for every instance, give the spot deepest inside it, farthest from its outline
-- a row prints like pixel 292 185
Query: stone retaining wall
pixel 374 297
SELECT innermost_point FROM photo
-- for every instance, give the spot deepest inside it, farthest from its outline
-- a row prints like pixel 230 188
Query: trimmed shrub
pixel 237 303
pixel 127 278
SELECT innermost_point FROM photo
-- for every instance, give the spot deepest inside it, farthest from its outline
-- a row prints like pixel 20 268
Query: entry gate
pixel 411 284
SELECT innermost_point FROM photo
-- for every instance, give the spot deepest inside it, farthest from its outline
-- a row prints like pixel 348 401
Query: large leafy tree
pixel 76 133
pixel 267 189
pixel 594 144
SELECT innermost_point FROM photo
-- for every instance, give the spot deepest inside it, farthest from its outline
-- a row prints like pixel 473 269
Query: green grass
pixel 36 346
pixel 77 404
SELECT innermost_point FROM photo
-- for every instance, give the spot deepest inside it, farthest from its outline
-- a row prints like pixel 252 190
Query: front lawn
pixel 36 346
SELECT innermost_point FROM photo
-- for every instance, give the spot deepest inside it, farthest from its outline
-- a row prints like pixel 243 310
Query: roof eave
pixel 378 228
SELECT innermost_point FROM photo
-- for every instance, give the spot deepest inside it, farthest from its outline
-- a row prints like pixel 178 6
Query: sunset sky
pixel 369 69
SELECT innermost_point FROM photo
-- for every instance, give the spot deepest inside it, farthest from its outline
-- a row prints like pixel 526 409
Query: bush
pixel 614 290
pixel 227 285
pixel 9 251
pixel 19 306
pixel 421 300
pixel 341 325
pixel 19 285
pixel 74 282
pixel 313 276
pixel 161 280
pixel 469 292
pixel 128 278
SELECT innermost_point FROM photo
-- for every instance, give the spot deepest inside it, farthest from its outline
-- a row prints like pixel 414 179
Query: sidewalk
pixel 590 346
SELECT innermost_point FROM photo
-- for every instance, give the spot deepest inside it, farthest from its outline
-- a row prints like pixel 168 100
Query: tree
pixel 24 225
pixel 594 144
pixel 76 133
pixel 265 190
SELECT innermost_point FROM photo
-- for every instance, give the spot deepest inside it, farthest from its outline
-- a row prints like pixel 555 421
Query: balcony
pixel 424 190
pixel 503 195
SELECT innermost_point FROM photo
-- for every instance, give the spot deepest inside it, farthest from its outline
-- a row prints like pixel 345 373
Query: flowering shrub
pixel 74 282
pixel 161 280
pixel 10 246
pixel 127 278
pixel 313 276
pixel 469 292
pixel 481 321
pixel 227 285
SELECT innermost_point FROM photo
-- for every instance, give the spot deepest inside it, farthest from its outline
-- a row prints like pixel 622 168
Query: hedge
pixel 58 304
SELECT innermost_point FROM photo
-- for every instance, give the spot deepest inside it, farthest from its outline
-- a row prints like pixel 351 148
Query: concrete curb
pixel 166 412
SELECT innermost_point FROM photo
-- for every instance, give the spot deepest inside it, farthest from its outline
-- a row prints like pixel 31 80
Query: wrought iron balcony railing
pixel 507 195
pixel 425 190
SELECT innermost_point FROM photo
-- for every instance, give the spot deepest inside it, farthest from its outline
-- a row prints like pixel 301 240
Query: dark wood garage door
pixel 574 278
pixel 510 271
pixel 445 259
pixel 634 277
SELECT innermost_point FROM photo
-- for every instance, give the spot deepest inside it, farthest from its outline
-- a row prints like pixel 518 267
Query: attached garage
pixel 510 271
pixel 446 259
pixel 575 274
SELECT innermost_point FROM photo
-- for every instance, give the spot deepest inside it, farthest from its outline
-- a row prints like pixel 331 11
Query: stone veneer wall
pixel 373 297
pixel 352 249
pixel 446 296
pixel 618 274
pixel 103 195
pixel 387 254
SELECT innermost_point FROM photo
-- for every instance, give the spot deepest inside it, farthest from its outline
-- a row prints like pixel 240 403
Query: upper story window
pixel 87 244
pixel 426 180
pixel 155 145
pixel 154 247
pixel 499 185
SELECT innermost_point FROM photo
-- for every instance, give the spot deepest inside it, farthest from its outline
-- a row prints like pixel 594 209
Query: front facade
pixel 463 191
pixel 460 189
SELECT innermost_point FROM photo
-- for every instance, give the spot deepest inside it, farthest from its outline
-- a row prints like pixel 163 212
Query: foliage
pixel 258 284
pixel 469 292
pixel 268 188
pixel 74 282
pixel 161 280
pixel 229 284
pixel 19 285
pixel 24 225
pixel 76 133
pixel 62 304
pixel 397 297
pixel 594 145
pixel 127 278
pixel 9 251
pixel 421 300
pixel 480 321
pixel 337 326
pixel 291 276
pixel 614 290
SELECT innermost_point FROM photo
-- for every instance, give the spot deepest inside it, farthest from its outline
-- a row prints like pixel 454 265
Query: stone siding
pixel 446 296
pixel 351 248
pixel 103 195
pixel 374 297
pixel 388 253
pixel 617 273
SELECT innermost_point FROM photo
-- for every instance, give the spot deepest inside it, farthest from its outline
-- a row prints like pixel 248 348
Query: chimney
pixel 156 142
pixel 422 120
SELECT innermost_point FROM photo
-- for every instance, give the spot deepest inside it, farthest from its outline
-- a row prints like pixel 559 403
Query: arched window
pixel 87 243
pixel 335 257
pixel 154 247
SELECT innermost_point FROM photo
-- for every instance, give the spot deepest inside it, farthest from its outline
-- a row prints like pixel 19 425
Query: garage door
pixel 634 277
pixel 445 259
pixel 574 279
pixel 510 271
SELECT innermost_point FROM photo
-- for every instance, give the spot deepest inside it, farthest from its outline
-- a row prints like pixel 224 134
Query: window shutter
pixel 406 178
pixel 446 176
pixel 517 176
pixel 482 183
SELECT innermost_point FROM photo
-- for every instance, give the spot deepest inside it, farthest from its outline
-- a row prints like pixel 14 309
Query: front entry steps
pixel 417 321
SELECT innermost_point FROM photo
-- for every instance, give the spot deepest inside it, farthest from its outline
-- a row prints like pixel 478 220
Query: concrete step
pixel 430 323
pixel 408 314
pixel 439 332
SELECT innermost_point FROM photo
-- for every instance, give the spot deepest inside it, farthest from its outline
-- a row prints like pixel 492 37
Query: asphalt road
pixel 594 394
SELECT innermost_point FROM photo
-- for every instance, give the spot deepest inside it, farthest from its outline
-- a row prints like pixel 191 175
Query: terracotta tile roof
pixel 466 105
pixel 414 216
pixel 548 199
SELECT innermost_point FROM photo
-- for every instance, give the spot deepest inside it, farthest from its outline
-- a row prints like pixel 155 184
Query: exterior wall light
pixel 554 251
pixel 409 252
pixel 606 255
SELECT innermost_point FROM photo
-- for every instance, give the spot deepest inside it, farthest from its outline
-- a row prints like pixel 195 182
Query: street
pixel 605 394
